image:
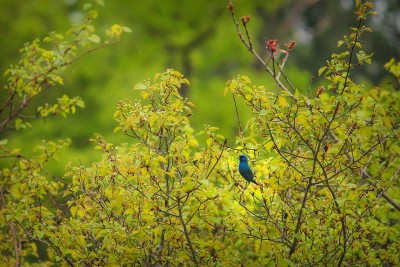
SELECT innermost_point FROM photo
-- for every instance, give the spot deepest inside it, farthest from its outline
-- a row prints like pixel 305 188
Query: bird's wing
pixel 249 176
pixel 248 173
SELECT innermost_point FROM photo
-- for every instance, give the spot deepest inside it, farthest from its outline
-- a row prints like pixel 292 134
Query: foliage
pixel 327 163
pixel 331 159
pixel 29 194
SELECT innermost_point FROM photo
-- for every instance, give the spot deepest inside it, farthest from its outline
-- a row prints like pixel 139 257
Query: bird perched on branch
pixel 245 171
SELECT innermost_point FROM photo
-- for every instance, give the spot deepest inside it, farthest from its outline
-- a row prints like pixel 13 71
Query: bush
pixel 326 163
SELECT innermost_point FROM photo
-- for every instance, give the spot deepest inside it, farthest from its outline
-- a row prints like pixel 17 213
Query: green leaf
pixel 94 38
pixel 126 29
pixel 140 86
pixel 321 70
pixel 87 6
pixel 282 101
pixel 39 234
pixel 285 263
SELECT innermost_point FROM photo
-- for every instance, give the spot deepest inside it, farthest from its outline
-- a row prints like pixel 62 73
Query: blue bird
pixel 245 171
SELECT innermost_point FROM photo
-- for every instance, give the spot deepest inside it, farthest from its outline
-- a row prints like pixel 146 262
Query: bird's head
pixel 243 158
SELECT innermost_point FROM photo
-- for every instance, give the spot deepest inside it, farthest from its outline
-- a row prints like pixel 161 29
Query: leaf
pixel 226 90
pixel 126 29
pixel 19 124
pixel 59 80
pixel 86 6
pixel 80 103
pixel 161 159
pixel 93 14
pixel 73 210
pixel 209 141
pixel 144 94
pixel 193 142
pixel 282 101
pixel 321 70
pixel 94 38
pixel 190 104
pixel 268 146
pixel 301 119
pixel 39 234
pixel 284 263
pixel 140 86
pixel 245 79
pixel 369 4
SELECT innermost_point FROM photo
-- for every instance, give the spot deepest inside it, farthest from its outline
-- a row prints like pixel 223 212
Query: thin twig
pixel 351 56
pixel 186 232
pixel 219 157
pixel 237 115
pixel 251 50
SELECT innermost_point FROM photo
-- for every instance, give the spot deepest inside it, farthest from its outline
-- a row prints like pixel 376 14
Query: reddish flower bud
pixel 271 46
pixel 320 90
pixel 290 45
pixel 230 7
pixel 245 19
pixel 326 147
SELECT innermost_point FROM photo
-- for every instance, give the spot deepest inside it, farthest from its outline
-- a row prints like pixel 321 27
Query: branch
pixel 26 102
pixel 250 48
pixel 237 115
pixel 189 242
pixel 13 230
pixel 299 215
pixel 351 55
pixel 219 157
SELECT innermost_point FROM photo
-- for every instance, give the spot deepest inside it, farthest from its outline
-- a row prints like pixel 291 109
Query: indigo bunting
pixel 245 170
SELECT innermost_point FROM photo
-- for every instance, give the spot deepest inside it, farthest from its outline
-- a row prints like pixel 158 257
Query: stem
pixel 351 56
pixel 250 48
pixel 161 246
pixel 185 231
pixel 298 223
pixel 237 115
pixel 13 230
pixel 219 157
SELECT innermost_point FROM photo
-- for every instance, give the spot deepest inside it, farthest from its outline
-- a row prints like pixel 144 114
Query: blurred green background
pixel 199 39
